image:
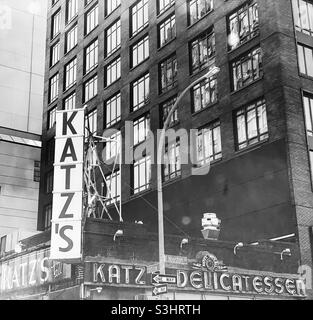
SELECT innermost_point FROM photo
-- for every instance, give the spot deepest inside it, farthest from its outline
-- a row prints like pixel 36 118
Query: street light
pixel 208 75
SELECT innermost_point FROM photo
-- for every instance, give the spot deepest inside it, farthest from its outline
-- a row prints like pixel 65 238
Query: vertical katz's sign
pixel 68 186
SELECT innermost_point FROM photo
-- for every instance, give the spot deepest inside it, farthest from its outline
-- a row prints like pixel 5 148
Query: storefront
pixel 109 279
pixel 33 276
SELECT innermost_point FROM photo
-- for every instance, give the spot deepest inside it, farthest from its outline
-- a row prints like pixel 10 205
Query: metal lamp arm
pixel 159 166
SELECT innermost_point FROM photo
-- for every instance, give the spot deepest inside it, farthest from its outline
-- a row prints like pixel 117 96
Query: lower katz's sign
pixel 31 270
pixel 67 210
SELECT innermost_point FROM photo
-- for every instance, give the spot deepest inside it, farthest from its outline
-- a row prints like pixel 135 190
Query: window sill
pixel 171 181
pixel 247 85
pixel 88 101
pixel 55 37
pixel 133 36
pixel 52 102
pixel 141 108
pixel 53 66
pixel 65 91
pixel 165 10
pixel 230 51
pixel 196 73
pixel 161 94
pixel 140 194
pixel 194 114
pixel 110 54
pixel 191 25
pixel 110 126
pixel 87 73
pixel 139 64
pixel 305 76
pixel 112 83
pixel 67 24
pixel 166 44
pixel 68 52
pixel 251 147
pixel 90 32
pixel 107 15
pixel 172 125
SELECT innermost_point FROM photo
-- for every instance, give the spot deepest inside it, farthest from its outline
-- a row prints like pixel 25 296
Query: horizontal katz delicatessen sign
pixel 68 186
pixel 204 279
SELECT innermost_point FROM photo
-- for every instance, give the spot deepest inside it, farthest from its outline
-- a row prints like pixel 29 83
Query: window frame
pixel 239 61
pixel 172 61
pixel 254 29
pixel 260 137
pixel 190 23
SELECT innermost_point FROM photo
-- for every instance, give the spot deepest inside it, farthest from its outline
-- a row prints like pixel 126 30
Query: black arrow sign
pixel 163 279
pixel 159 290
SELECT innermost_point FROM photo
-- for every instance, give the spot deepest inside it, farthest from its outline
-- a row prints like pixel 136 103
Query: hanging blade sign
pixel 67 209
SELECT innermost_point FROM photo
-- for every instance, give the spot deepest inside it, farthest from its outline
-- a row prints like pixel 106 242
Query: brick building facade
pixel 260 180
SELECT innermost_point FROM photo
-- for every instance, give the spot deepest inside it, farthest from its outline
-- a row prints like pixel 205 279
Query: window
pixel 112 148
pixel 209 146
pixel 139 16
pixel 113 110
pixel 113 188
pixel 140 92
pixel 247 69
pixel 165 109
pixel 91 122
pixel 243 25
pixel 70 74
pixel 52 117
pixel 91 56
pixel 140 51
pixel 168 74
pixel 303 16
pixel 203 94
pixel 91 19
pixel 141 174
pixel 172 161
pixel 164 5
pixel 71 10
pixel 113 37
pixel 56 24
pixel 308 111
pixel 141 128
pixel 3 243
pixel 47 217
pixel 55 54
pixel 203 52
pixel 113 71
pixel 71 38
pixel 49 182
pixel 251 124
pixel 70 102
pixel 305 56
pixel 53 88
pixel 111 5
pixel 90 89
pixel 197 9
pixel 36 171
pixel 167 30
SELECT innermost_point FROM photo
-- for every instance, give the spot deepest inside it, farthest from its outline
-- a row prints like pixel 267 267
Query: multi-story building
pixel 130 60
pixel 22 46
